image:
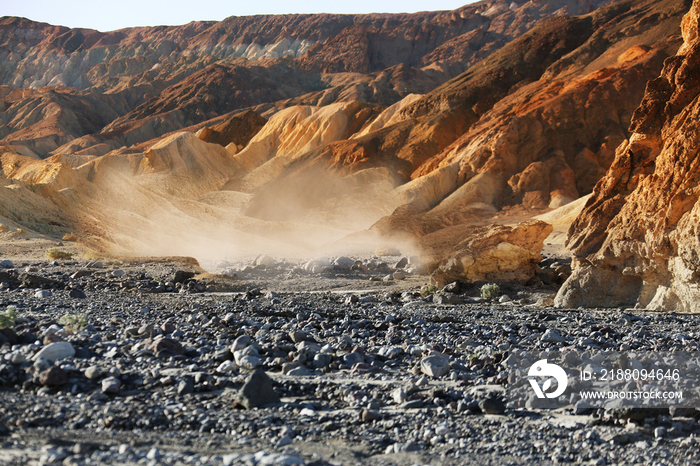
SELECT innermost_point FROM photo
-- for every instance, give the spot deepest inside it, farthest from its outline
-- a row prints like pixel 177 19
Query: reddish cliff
pixel 636 240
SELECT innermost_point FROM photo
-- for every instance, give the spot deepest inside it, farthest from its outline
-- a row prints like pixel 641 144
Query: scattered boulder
pixel 258 391
pixel 167 345
pixel 488 253
pixel 53 376
pixel 55 351
pixel 435 366
pixel 111 385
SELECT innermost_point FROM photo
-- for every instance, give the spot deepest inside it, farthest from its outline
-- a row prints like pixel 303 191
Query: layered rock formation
pixel 636 241
pixel 424 127
pixel 157 80
pixel 499 253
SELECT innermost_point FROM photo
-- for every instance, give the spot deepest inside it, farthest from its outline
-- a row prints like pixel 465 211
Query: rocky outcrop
pixel 500 253
pixel 637 235
pixel 237 130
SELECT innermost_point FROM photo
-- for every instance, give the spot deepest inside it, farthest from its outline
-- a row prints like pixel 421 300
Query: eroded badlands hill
pixel 161 79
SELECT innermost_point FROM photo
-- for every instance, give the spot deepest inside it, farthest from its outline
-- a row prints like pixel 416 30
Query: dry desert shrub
pixel 70 237
pixel 55 254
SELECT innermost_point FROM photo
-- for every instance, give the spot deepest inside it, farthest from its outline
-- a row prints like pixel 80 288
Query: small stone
pixel 43 294
pixel 168 328
pixel 6 264
pixel 258 391
pixel 185 386
pixel 241 342
pixel 18 359
pixel 94 372
pixel 344 263
pixel 322 360
pixel 77 294
pixel 299 371
pixel 552 336
pixel 413 404
pixel 446 298
pixel 147 330
pixel 297 336
pixel 504 299
pixel 284 441
pixel 264 260
pixel 659 432
pixel 153 454
pixel 53 376
pixel 399 395
pixel 409 446
pixel 80 449
pixel 226 367
pixel 111 385
pixel 399 275
pixel 369 415
pixel 248 362
pixel 403 262
pixel 583 408
pixel 492 405
pixel 55 351
pixel 435 366
pixel 167 344
pixel 118 273
pixel 353 358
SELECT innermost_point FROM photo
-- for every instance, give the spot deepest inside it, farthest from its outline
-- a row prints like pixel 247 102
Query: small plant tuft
pixel 8 318
pixel 490 291
pixel 55 254
pixel 73 323
pixel 428 290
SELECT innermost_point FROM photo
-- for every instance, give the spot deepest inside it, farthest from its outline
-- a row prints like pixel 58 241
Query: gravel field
pixel 152 362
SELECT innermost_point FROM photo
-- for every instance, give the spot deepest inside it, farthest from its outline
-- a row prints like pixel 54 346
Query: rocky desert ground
pixel 154 362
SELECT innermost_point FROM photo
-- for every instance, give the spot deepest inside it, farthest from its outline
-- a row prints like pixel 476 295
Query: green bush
pixel 490 291
pixel 8 318
pixel 73 323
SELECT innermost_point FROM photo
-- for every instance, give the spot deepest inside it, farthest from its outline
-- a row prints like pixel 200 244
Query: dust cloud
pixel 298 216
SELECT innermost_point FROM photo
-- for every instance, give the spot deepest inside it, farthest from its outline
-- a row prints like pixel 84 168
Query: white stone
pixel 42 294
pixel 265 260
pixel 551 336
pixel 248 362
pixel 55 351
pixel 111 385
pixel 343 262
pixel 226 367
pixel 435 366
pixel 240 343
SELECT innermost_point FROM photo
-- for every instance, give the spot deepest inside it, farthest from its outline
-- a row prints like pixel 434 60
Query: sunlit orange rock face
pixel 637 238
